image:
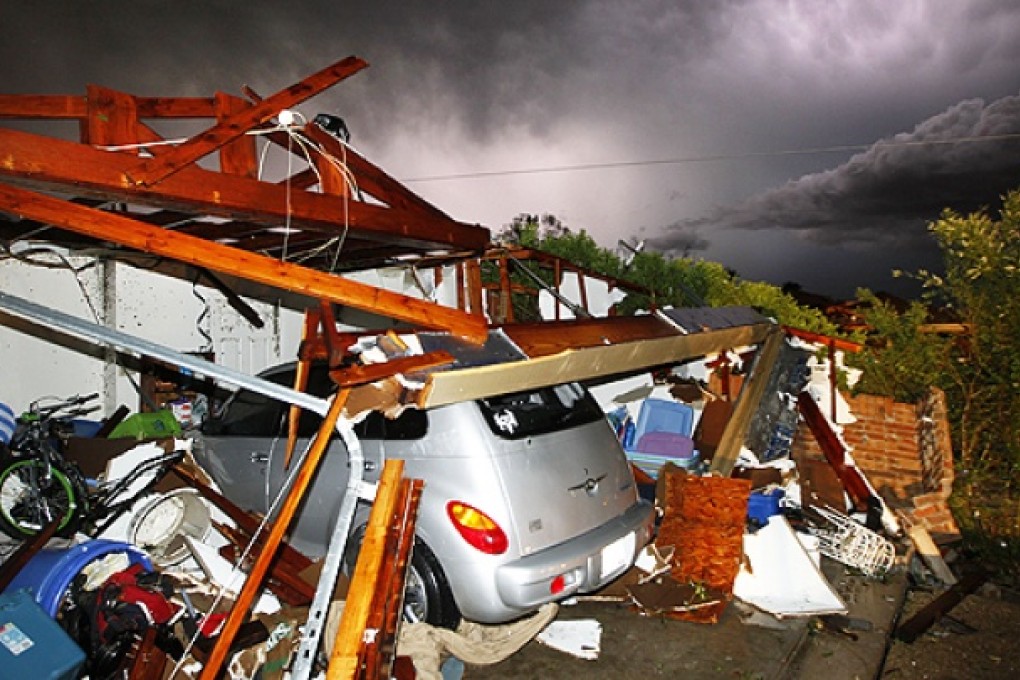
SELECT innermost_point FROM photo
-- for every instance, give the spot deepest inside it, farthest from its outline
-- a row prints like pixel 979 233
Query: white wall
pixel 150 306
pixel 165 310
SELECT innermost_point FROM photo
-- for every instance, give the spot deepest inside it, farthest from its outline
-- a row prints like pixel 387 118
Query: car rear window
pixel 249 414
pixel 523 414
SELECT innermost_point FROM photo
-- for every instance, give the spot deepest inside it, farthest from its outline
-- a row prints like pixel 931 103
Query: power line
pixel 708 159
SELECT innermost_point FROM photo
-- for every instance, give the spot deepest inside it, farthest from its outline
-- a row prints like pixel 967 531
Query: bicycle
pixel 39 486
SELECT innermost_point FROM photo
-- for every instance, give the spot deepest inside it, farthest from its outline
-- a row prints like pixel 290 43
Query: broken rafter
pixel 218 257
pixel 55 165
pixel 235 124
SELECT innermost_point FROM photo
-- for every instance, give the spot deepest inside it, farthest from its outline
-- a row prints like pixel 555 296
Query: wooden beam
pixel 915 626
pixel 221 258
pixel 747 405
pixel 295 495
pixel 240 156
pixel 13 564
pixel 72 107
pixel 359 375
pixel 350 637
pixel 371 178
pixel 231 127
pixel 581 363
pixel 112 118
pixel 49 164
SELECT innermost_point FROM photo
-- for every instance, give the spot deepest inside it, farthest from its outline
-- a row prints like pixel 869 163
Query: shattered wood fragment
pixel 930 553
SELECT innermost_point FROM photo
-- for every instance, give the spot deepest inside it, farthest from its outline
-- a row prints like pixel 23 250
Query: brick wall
pixel 906 454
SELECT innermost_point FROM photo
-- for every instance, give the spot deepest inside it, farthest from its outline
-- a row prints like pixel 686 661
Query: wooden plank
pixel 48 164
pixel 835 452
pixel 371 178
pixel 914 627
pixel 931 554
pixel 584 363
pixel 295 495
pixel 747 405
pixel 359 375
pixel 112 117
pixel 221 258
pixel 344 659
pixel 233 126
pixel 388 603
pixel 69 106
pixel 25 552
pixel 553 337
pixel 245 521
pixel 240 156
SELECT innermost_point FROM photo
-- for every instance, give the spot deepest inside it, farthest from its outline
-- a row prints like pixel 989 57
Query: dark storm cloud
pixel 888 193
pixel 462 87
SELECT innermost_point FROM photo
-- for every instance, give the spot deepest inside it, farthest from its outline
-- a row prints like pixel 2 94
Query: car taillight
pixel 477 528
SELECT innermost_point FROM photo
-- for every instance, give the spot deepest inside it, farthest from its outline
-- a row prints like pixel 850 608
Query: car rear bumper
pixel 586 563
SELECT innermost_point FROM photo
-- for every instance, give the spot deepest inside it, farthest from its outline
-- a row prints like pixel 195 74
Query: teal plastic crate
pixel 32 645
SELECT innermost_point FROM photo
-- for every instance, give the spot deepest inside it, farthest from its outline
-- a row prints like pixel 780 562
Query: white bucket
pixel 181 512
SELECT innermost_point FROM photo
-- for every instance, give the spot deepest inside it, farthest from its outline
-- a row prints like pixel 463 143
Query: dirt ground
pixel 980 638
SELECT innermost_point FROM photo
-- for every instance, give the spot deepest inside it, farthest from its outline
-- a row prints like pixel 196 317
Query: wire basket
pixel 854 545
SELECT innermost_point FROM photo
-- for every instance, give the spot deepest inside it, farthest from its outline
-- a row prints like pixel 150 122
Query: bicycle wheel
pixel 32 496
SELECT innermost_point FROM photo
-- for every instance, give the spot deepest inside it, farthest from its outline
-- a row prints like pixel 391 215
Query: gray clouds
pixel 458 87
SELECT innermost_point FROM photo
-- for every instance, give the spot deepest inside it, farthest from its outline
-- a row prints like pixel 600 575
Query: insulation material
pixel 704 520
pixel 580 637
pixel 473 643
pixel 780 576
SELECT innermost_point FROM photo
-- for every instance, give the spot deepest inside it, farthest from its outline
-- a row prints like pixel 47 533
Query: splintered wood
pixel 704 520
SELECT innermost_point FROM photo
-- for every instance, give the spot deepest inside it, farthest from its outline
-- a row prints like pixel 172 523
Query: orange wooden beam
pixel 372 179
pixel 252 585
pixel 250 266
pixel 70 107
pixel 52 164
pixel 233 126
pixel 359 375
pixel 350 636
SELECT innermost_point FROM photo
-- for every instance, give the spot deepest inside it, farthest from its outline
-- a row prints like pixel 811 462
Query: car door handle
pixel 257 457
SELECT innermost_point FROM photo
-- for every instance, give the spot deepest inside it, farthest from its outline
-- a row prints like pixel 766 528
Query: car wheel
pixel 427 594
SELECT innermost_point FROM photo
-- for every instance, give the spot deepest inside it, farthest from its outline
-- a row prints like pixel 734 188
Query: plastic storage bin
pixel 154 425
pixel 32 645
pixel 50 572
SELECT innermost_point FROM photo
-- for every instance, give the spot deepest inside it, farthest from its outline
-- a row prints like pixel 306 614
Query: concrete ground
pixel 744 644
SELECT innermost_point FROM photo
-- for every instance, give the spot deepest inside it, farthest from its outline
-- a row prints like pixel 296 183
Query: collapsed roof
pixel 124 186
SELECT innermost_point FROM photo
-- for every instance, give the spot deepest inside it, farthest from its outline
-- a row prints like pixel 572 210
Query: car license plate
pixel 617 554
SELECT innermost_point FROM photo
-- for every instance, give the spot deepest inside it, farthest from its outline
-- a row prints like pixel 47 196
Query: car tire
pixel 427 594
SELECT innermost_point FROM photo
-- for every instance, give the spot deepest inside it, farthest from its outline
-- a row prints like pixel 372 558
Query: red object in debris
pixel 211 624
pixel 835 452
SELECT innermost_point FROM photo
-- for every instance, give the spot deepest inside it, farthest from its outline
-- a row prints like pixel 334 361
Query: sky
pixel 800 140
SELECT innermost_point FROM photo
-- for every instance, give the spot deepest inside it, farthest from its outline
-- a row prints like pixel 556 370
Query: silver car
pixel 528 497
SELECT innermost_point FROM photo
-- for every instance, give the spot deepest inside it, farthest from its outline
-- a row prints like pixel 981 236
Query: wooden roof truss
pixel 201 200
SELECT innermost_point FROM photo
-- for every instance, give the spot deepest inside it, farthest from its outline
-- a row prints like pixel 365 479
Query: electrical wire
pixel 708 158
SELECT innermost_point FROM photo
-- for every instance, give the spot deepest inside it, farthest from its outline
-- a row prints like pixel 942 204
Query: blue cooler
pixel 32 645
